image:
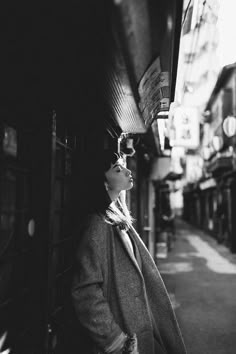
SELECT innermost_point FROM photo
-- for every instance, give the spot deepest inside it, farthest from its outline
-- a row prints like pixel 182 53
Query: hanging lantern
pixel 229 126
pixel 217 142
pixel 206 153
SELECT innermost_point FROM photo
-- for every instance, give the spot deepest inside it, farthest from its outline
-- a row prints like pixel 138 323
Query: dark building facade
pixel 69 81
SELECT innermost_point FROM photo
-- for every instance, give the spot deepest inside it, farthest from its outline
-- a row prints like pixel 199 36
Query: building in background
pixel 206 84
pixel 198 68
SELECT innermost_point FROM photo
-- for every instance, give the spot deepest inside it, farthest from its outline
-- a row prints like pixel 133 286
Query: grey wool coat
pixel 135 301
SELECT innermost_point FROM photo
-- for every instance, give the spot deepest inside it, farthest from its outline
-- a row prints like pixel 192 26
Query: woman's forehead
pixel 120 161
pixel 113 158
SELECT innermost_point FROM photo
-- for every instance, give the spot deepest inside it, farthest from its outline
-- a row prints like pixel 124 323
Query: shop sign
pixel 184 128
pixel 154 92
pixel 194 166
pixel 217 142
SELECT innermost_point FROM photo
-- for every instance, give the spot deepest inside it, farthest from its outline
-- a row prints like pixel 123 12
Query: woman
pixel 118 294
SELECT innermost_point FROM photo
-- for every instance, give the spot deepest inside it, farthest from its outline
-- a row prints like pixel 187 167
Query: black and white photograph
pixel 118 177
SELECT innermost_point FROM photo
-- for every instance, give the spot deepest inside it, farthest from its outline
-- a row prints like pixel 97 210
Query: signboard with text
pixel 184 127
pixel 154 92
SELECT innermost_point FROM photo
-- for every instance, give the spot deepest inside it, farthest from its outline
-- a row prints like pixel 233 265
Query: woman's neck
pixel 113 195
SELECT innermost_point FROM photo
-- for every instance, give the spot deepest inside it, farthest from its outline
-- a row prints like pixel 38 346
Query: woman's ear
pixel 106 186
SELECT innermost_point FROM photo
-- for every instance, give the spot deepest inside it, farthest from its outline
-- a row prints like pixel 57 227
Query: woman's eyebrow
pixel 117 164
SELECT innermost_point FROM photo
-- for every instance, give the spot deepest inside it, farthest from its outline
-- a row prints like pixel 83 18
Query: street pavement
pixel 200 276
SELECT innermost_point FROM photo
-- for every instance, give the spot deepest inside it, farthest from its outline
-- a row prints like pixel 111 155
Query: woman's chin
pixel 130 185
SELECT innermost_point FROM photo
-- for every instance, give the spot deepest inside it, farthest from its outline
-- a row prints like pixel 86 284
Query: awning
pixel 142 32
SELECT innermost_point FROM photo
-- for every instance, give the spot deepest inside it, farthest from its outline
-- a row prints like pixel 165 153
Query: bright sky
pixel 227 32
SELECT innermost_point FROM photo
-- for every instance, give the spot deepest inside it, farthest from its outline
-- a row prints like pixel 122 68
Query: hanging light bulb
pixel 229 126
pixel 127 146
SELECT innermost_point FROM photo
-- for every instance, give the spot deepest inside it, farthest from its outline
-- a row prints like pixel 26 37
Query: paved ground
pixel 200 276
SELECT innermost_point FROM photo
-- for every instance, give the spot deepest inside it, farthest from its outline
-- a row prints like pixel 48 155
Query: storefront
pixel 69 80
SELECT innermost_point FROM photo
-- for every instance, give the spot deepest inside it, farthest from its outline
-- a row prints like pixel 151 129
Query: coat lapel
pixel 129 252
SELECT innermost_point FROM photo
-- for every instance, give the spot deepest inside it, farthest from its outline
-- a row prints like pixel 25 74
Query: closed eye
pixel 118 168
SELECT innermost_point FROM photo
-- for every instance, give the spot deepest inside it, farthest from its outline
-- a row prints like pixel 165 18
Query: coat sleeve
pixel 90 304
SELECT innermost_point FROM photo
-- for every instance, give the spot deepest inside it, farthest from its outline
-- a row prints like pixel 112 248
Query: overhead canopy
pixel 52 58
pixel 160 168
pixel 173 176
pixel 145 30
pixel 222 78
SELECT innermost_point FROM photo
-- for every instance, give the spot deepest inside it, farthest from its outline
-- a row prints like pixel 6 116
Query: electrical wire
pixel 195 38
pixel 185 14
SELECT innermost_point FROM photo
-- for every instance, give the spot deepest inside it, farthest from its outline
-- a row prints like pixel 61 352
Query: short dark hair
pixel 116 213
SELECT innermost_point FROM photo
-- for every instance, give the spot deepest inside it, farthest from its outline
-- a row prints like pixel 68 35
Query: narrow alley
pixel 200 275
pixel 114 115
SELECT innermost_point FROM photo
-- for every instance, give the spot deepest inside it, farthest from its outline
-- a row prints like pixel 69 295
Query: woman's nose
pixel 128 172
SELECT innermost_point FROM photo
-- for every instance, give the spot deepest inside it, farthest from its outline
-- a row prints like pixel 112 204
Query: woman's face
pixel 118 177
